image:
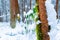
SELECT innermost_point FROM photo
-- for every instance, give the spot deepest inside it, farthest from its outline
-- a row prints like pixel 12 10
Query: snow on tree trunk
pixel 14 11
pixel 43 19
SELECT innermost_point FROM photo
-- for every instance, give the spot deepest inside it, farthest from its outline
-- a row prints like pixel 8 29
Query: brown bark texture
pixel 57 7
pixel 14 10
pixel 43 19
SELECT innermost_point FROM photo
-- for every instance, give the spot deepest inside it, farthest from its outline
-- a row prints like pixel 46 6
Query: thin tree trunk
pixel 23 9
pixel 43 19
pixel 24 5
pixel 14 10
pixel 30 3
pixel 57 7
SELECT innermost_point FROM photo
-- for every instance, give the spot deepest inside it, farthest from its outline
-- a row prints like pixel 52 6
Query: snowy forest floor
pixel 19 33
pixel 55 31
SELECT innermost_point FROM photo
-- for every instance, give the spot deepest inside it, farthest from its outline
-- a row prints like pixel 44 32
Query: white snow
pixel 29 12
pixel 51 13
pixel 55 24
pixel 19 33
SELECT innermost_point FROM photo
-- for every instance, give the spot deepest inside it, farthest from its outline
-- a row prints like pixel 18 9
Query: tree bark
pixel 43 19
pixel 30 3
pixel 57 7
pixel 14 10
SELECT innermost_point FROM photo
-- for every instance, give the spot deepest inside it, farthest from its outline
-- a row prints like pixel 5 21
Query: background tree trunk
pixel 57 7
pixel 14 10
pixel 43 19
pixel 30 3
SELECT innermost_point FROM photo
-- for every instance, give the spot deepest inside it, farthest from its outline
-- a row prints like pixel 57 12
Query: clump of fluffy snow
pixel 51 13
pixel 55 27
pixel 29 12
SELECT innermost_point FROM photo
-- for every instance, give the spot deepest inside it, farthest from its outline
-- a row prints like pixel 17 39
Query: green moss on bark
pixel 38 32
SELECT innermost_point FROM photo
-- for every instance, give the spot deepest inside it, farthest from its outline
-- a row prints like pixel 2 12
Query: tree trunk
pixel 30 3
pixel 57 7
pixel 14 10
pixel 43 19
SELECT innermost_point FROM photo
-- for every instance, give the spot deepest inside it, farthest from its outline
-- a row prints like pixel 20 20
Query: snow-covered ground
pixel 19 33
